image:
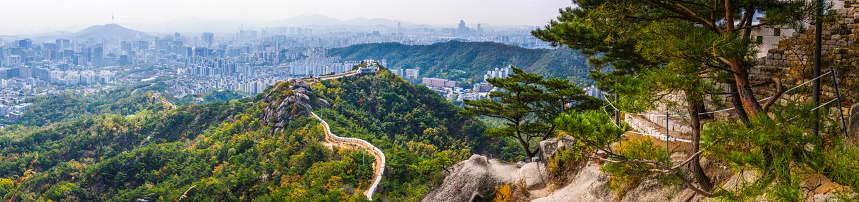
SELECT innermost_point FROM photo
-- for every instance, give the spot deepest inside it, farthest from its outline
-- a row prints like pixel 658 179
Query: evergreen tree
pixel 615 32
pixel 662 47
pixel 529 104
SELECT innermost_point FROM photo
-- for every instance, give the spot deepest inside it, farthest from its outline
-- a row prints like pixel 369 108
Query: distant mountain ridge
pixel 474 59
pixel 317 19
pixel 307 20
pixel 195 25
pixel 109 31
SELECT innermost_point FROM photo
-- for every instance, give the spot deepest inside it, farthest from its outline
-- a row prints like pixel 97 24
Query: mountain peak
pixel 312 19
pixel 109 31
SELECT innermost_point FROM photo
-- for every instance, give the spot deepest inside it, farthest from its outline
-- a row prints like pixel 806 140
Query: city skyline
pixel 34 17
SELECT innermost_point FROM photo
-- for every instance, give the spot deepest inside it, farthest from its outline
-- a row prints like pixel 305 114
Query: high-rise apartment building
pixel 208 39
pixel 462 30
pixel 412 73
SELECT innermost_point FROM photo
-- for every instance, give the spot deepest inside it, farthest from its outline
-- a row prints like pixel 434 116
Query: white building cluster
pixel 55 75
pixel 438 83
pixel 319 66
pixel 498 73
pixel 478 91
pixel 408 74
pixel 85 77
pixel 594 92
pixel 13 113
pixel 248 87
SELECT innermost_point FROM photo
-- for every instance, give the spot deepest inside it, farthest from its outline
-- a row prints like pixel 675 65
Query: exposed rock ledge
pixel 476 178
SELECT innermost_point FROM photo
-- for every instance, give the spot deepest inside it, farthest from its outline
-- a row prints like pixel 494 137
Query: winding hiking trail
pixel 334 140
pixel 162 100
pixel 378 165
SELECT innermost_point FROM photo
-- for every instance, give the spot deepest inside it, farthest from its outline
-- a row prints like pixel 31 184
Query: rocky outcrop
pixel 323 103
pixel 471 180
pixel 550 146
pixel 651 189
pixel 297 101
pixel 533 175
pixel 589 185
pixel 475 179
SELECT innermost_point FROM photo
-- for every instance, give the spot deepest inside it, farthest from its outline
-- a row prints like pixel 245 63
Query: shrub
pixel 625 177
pixel 503 193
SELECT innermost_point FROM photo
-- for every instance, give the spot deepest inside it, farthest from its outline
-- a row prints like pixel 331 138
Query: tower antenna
pixel 112 18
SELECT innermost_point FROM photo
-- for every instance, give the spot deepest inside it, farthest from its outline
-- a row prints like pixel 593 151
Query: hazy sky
pixel 59 14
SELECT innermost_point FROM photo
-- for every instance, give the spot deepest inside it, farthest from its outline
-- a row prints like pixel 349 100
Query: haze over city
pixel 42 16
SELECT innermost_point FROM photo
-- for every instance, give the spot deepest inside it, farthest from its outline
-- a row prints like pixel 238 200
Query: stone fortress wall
pixel 775 59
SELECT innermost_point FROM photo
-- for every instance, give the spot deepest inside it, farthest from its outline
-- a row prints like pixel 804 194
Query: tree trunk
pixel 693 100
pixel 738 105
pixel 701 108
pixel 525 145
pixel 741 76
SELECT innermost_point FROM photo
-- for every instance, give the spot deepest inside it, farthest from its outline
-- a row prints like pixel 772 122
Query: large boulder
pixel 475 179
pixel 589 185
pixel 550 146
pixel 323 103
pixel 297 102
pixel 471 180
pixel 534 175
pixel 651 189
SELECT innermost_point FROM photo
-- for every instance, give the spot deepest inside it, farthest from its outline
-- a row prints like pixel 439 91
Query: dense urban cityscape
pixel 103 56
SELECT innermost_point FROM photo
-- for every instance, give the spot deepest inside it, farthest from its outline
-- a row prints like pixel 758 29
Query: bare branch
pixel 721 68
pixel 726 61
pixel 780 90
pixel 662 168
pixel 694 3
pixel 692 187
pixel 720 93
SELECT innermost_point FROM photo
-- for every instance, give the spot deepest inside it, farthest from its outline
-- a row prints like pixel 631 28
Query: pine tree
pixel 659 47
pixel 529 104
pixel 615 32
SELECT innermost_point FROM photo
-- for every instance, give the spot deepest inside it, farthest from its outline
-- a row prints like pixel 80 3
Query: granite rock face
pixel 295 101
pixel 551 146
pixel 475 179
pixel 471 180
pixel 533 175
pixel 589 185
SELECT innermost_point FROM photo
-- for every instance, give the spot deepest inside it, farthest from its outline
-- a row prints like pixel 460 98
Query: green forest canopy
pixel 474 59
pixel 226 151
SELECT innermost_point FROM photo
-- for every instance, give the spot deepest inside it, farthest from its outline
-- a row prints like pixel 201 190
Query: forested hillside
pixel 441 60
pixel 220 95
pixel 228 151
pixel 67 107
pixel 419 131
